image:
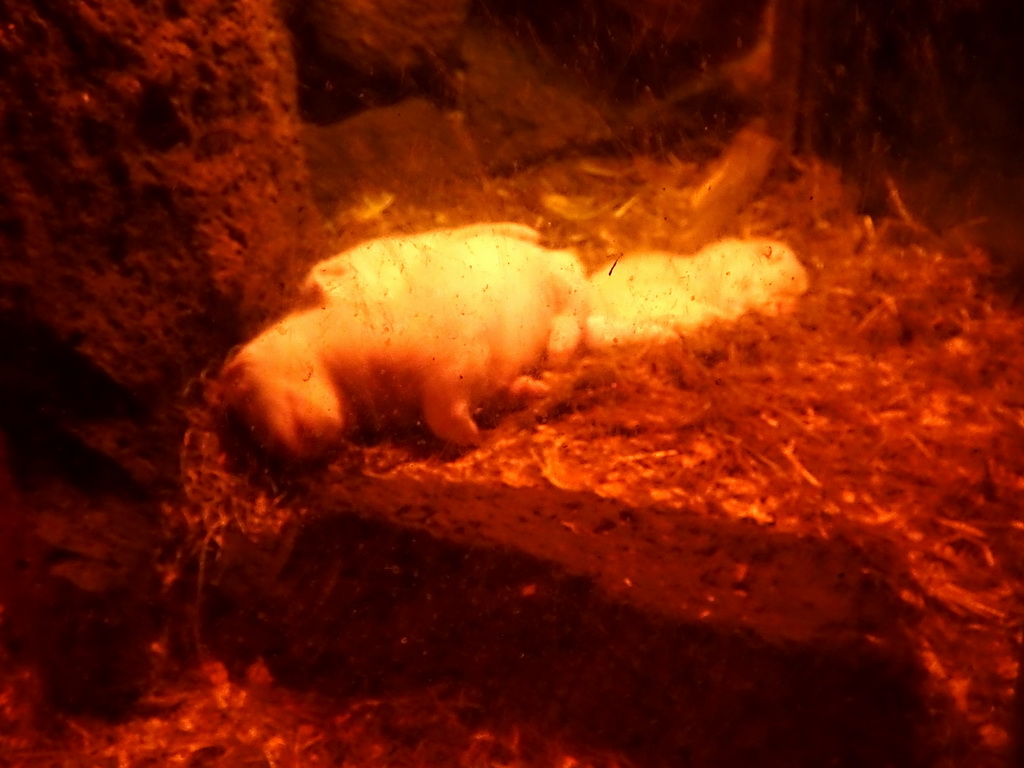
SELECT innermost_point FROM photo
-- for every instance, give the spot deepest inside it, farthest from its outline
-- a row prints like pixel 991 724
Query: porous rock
pixel 410 151
pixel 395 38
pixel 519 108
pixel 154 201
pixel 635 49
pixel 677 639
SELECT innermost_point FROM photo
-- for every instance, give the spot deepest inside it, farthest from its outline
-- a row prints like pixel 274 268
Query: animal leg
pixel 604 332
pixel 565 338
pixel 528 386
pixel 446 411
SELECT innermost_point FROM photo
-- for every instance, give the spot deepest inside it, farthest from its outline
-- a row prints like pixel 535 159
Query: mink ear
pixel 240 400
pixel 233 386
pixel 325 278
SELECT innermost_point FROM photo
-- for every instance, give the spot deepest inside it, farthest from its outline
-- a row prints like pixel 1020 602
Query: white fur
pixel 429 325
pixel 656 296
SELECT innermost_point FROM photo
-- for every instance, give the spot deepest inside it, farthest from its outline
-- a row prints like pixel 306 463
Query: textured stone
pixel 519 108
pixel 678 639
pixel 396 38
pixel 410 150
pixel 154 200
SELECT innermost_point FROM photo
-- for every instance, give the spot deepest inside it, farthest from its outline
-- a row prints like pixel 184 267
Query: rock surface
pixel 410 150
pixel 153 198
pixel 397 38
pixel 671 637
pixel 519 107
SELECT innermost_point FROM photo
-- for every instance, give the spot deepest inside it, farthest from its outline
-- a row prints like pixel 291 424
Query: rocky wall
pixel 154 201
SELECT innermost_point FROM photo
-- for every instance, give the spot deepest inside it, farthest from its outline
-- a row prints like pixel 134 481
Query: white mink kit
pixel 657 296
pixel 423 326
